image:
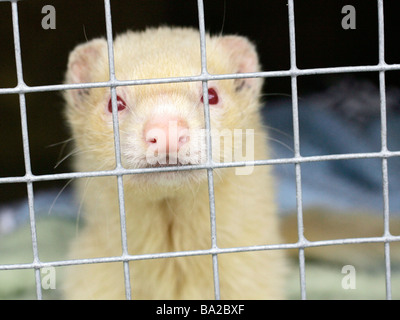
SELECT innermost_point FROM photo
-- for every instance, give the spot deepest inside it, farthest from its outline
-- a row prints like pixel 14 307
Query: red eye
pixel 212 96
pixel 120 104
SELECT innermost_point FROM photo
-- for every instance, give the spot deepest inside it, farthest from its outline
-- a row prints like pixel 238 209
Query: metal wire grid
pixel 29 178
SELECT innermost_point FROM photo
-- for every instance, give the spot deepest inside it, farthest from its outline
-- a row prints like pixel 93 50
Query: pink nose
pixel 166 135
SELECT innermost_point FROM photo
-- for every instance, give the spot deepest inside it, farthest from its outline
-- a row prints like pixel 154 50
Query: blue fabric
pixel 331 127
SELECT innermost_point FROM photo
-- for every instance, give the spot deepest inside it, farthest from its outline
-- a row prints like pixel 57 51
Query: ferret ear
pixel 242 54
pixel 82 63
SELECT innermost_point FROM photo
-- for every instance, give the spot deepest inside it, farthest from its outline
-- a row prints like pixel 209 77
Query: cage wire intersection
pixel 29 178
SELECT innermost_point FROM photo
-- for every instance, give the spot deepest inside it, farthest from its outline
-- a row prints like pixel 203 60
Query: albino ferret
pixel 169 211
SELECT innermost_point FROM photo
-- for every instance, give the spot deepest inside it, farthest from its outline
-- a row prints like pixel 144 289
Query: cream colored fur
pixel 170 212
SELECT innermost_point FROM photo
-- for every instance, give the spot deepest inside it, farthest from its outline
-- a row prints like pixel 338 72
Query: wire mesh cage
pixel 297 160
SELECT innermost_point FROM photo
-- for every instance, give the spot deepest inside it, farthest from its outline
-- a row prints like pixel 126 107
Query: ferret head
pixel 161 124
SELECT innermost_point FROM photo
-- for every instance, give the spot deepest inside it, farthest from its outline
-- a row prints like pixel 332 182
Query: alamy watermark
pixel 49 20
pixel 349 20
pixel 48 278
pixel 228 145
pixel 349 280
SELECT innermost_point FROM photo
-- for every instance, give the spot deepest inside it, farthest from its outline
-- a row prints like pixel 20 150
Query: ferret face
pixel 163 124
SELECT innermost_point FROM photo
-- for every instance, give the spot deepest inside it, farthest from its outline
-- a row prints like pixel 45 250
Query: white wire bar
pixel 25 142
pixel 123 171
pixel 121 200
pixel 385 180
pixel 210 176
pixel 297 160
pixel 296 137
pixel 188 253
pixel 206 77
